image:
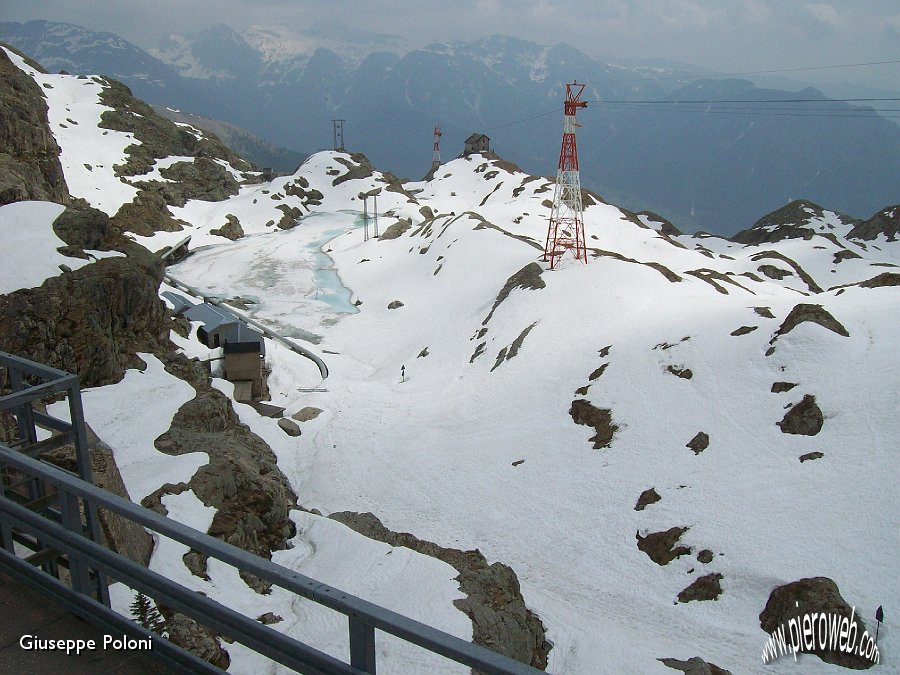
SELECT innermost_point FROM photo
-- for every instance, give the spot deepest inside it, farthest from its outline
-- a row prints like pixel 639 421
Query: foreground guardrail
pixel 70 541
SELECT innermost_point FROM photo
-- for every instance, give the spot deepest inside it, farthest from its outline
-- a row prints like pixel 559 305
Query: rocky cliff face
pixel 91 321
pixel 886 222
pixel 29 159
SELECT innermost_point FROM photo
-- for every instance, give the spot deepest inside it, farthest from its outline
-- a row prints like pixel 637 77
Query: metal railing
pixel 71 542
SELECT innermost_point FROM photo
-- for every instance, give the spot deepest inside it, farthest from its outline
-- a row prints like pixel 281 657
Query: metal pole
pixel 375 209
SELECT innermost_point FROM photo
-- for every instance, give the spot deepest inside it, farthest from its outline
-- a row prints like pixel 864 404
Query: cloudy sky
pixel 724 36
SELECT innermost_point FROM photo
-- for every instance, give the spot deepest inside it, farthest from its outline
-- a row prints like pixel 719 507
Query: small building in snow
pixel 215 321
pixel 245 351
pixel 477 143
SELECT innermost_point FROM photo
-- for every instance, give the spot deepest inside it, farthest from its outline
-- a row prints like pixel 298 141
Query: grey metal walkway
pixel 23 612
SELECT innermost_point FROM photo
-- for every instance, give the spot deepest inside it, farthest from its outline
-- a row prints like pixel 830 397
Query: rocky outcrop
pixel 90 322
pixel 886 222
pixel 699 443
pixel 231 229
pixel 120 534
pixel 494 603
pixel 83 227
pixel 805 418
pixel 600 419
pixel 882 280
pixel 203 178
pixel 805 312
pixel 695 666
pixel 146 214
pixel 647 497
pixel 395 230
pixel 707 587
pixel 661 547
pixel 195 638
pixel 29 155
pixel 785 223
pixel 158 137
pixel 819 595
pixel 242 481
pixel 529 277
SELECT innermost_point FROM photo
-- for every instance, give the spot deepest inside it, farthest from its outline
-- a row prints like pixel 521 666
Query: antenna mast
pixel 436 157
pixel 338 134
pixel 566 229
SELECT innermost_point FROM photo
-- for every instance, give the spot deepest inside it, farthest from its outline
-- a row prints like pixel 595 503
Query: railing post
pixel 71 520
pixel 362 645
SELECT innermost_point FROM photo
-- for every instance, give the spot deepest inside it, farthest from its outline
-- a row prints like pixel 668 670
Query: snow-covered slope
pixel 459 367
pixel 487 385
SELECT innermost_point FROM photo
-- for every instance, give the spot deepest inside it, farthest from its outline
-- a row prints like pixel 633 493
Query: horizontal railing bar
pixel 384 619
pixel 18 363
pixel 48 444
pixel 259 637
pixel 18 398
pixel 42 556
pixel 46 421
pixel 98 614
pixel 41 503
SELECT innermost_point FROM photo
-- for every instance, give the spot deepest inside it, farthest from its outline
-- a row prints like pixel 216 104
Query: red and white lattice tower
pixel 566 230
pixel 436 157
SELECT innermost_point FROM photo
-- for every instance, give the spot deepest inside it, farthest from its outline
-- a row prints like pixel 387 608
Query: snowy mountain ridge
pixel 478 400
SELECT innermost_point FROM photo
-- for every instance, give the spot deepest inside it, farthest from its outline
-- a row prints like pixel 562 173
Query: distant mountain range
pixel 713 167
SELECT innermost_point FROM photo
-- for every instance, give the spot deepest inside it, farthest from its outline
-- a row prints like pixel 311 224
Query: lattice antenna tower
pixel 566 230
pixel 338 134
pixel 436 157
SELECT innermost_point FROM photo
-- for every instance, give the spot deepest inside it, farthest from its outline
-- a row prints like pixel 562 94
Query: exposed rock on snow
pixel 804 312
pixel 231 229
pixel 805 418
pixel 507 353
pixel 494 603
pixel 684 373
pixel 647 497
pixel 811 455
pixel 394 231
pixel 781 387
pixel 290 427
pixel 242 480
pixel 743 330
pixel 883 279
pixel 529 277
pixel 306 414
pixel 707 587
pixel 774 272
pixel 886 222
pixel 800 272
pixel 146 214
pixel 661 547
pixel 157 136
pixel 695 666
pixel 788 222
pixel 597 373
pixel 699 443
pixel 805 596
pixel 600 419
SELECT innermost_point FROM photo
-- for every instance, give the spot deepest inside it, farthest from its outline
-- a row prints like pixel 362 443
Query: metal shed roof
pixel 181 303
pixel 242 338
pixel 212 317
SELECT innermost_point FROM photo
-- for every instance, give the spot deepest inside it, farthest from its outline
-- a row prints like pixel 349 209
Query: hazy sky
pixel 722 35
